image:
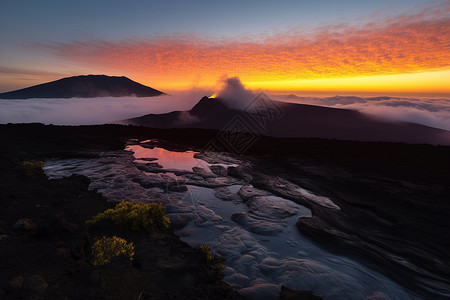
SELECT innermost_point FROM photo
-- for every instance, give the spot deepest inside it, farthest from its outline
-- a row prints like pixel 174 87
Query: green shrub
pixel 107 248
pixel 206 250
pixel 214 261
pixel 219 267
pixel 33 168
pixel 136 216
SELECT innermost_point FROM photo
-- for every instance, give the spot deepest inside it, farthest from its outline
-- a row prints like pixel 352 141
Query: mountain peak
pixel 208 105
pixel 296 121
pixel 85 86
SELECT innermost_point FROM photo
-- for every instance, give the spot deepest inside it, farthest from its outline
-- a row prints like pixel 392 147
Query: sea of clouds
pixel 427 111
pixel 81 111
pixel 90 111
pixel 432 112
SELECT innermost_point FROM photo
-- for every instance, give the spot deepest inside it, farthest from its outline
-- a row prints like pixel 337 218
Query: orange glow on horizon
pixel 420 83
pixel 426 84
pixel 405 53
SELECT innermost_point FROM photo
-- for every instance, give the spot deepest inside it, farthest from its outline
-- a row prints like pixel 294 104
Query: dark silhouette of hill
pixel 296 121
pixel 85 86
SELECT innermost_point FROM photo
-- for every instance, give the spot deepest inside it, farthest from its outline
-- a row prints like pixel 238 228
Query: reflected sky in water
pixel 169 159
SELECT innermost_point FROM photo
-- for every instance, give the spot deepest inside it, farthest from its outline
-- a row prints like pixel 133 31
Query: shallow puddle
pixel 258 238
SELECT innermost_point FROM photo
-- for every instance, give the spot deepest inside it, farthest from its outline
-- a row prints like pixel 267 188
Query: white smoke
pixel 234 94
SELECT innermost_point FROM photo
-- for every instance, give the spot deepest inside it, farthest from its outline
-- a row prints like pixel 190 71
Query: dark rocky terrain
pixel 89 86
pixel 45 244
pixel 393 197
pixel 397 223
pixel 289 120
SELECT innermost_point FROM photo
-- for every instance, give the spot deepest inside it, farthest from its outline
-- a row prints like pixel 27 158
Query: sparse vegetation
pixel 107 248
pixel 215 261
pixel 136 216
pixel 219 267
pixel 33 168
pixel 206 250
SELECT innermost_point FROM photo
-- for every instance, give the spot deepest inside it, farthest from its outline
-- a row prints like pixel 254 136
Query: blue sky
pixel 22 21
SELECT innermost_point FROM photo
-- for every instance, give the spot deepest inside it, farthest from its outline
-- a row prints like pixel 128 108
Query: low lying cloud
pixel 89 111
pixel 79 111
pixel 426 111
pixel 185 118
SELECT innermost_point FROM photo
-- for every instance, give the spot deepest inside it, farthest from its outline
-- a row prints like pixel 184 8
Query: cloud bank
pixel 78 111
pixel 426 111
pixel 89 111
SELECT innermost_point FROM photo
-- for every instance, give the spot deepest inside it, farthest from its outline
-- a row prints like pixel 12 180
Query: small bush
pixel 107 248
pixel 214 261
pixel 206 250
pixel 136 216
pixel 219 267
pixel 33 168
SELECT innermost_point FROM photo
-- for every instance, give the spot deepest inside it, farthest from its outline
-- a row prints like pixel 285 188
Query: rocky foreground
pixel 390 205
pixel 45 244
pixel 45 248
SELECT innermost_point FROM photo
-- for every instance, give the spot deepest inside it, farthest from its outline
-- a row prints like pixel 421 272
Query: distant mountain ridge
pixel 84 86
pixel 299 121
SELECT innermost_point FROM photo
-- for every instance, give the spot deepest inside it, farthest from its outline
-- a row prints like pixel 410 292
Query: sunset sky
pixel 303 47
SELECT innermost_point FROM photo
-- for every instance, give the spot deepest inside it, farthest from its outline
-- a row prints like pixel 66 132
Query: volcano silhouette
pixel 84 86
pixel 296 121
